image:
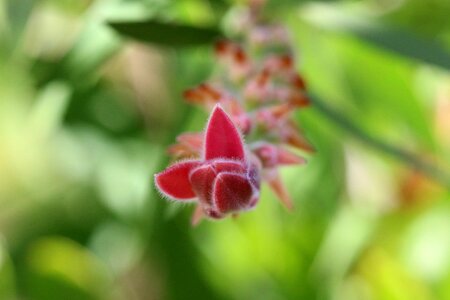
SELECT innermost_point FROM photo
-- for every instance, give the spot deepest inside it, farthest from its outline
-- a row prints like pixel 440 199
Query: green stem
pixel 430 170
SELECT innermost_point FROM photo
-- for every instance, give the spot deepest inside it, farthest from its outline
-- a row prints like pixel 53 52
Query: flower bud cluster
pixel 254 95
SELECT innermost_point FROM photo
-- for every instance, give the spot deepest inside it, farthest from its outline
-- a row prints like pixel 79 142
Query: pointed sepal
pixel 286 157
pixel 276 184
pixel 174 181
pixel 222 138
pixel 292 136
pixel 197 216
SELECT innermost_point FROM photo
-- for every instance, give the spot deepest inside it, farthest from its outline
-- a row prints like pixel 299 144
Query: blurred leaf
pixel 167 34
pixel 389 279
pixel 376 81
pixel 197 13
pixel 7 282
pixel 437 173
pixel 405 43
pixel 18 12
pixel 219 4
pixel 444 288
pixel 95 44
pixel 172 236
pixel 117 245
pixel 347 235
pixel 71 269
pixel 426 243
pixel 274 6
pixel 69 6
pixel 426 17
pixel 104 109
pixel 50 106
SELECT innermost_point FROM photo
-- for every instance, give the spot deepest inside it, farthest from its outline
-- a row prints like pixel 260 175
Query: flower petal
pixel 174 181
pixel 226 165
pixel 201 179
pixel 222 139
pixel 232 192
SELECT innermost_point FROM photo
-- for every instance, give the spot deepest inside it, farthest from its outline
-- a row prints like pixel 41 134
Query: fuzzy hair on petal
pixel 222 138
pixel 174 181
pixel 232 192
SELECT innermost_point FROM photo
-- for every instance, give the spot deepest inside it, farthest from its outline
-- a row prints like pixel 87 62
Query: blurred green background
pixel 86 114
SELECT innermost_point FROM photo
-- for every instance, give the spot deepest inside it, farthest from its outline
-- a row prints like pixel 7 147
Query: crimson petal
pixel 202 179
pixel 232 192
pixel 174 181
pixel 222 139
pixel 224 165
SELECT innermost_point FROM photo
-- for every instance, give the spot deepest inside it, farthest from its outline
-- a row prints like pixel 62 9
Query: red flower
pixel 225 180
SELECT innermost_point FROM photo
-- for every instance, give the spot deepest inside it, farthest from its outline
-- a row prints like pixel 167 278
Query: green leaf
pixel 167 34
pixel 61 268
pixel 398 40
pixel 438 173
pixel 7 276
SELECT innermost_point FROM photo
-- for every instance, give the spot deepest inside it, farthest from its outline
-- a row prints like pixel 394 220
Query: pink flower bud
pixel 224 181
pixel 203 94
pixel 234 58
pixel 269 35
pixel 189 145
pixel 279 63
pixel 272 156
pixel 258 88
pixel 225 186
pixel 297 81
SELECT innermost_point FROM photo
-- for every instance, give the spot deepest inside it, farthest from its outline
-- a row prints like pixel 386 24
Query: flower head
pixel 225 180
pixel 255 94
